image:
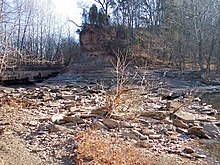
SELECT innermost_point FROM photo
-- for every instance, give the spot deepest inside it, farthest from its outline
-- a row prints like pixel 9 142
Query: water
pixel 213 146
pixel 213 99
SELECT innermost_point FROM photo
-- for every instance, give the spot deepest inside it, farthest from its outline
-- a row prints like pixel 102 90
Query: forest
pixel 32 33
pixel 188 30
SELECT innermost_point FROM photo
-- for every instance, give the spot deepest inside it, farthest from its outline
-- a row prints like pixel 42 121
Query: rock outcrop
pixel 97 40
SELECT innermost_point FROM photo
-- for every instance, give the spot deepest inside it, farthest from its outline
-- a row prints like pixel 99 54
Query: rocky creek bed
pixel 41 124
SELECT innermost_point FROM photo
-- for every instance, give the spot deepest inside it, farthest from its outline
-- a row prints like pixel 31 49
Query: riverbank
pixel 55 121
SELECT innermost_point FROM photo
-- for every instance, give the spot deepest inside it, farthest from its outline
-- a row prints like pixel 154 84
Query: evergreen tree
pixel 84 16
pixel 93 14
pixel 103 19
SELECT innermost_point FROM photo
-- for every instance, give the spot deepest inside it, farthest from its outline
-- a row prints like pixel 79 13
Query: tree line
pixel 32 32
pixel 189 30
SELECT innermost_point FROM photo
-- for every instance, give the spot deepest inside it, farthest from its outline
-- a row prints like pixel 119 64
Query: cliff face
pixel 97 40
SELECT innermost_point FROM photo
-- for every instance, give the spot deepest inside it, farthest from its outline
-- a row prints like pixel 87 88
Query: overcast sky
pixel 72 10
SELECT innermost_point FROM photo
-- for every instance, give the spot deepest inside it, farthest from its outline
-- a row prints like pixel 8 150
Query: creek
pixel 212 147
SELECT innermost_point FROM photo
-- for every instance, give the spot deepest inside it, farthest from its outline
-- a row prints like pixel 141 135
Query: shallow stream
pixel 212 147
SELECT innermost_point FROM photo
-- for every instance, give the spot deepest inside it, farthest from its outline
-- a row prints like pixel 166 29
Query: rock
pixel 211 129
pixel 175 104
pixel 185 116
pixel 1 130
pixel 160 115
pixel 100 111
pixel 180 123
pixel 118 116
pixel 200 156
pixel 126 124
pixel 93 40
pixel 198 131
pixel 68 97
pixel 61 118
pixel 173 95
pixel 173 137
pixel 4 122
pixel 33 123
pixel 186 155
pixel 57 128
pixel 87 158
pixel 140 135
pixel 188 150
pixel 42 119
pixel 209 112
pixel 161 129
pixel 155 136
pixel 217 123
pixel 111 123
pixel 167 121
pixel 197 99
pixel 181 130
pixel 170 74
pixel 129 135
pixel 147 131
pixel 57 118
pixel 171 127
pixel 143 144
pixel 154 106
pixel 204 118
pixel 7 90
pixel 98 125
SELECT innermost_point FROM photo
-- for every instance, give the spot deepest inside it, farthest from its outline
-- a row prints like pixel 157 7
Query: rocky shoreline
pixel 50 117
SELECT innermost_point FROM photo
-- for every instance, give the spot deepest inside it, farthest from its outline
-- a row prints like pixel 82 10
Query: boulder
pixel 57 118
pixel 160 115
pixel 185 116
pixel 211 130
pixel 111 123
pixel 180 123
pixel 99 125
pixel 198 131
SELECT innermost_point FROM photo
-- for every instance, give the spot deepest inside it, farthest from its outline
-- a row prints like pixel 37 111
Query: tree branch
pixel 74 23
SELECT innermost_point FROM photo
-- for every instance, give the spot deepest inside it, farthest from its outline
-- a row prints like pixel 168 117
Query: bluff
pixel 99 40
pixel 147 46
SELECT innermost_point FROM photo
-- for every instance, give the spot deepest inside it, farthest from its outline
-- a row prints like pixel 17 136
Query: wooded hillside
pixel 187 32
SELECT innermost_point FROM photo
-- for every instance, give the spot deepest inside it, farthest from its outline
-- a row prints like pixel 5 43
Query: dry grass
pixel 93 148
pixel 10 103
pixel 97 149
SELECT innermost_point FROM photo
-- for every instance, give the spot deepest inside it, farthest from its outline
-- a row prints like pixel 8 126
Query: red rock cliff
pixel 97 40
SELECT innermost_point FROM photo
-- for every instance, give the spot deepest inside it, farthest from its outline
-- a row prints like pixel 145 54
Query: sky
pixel 70 9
